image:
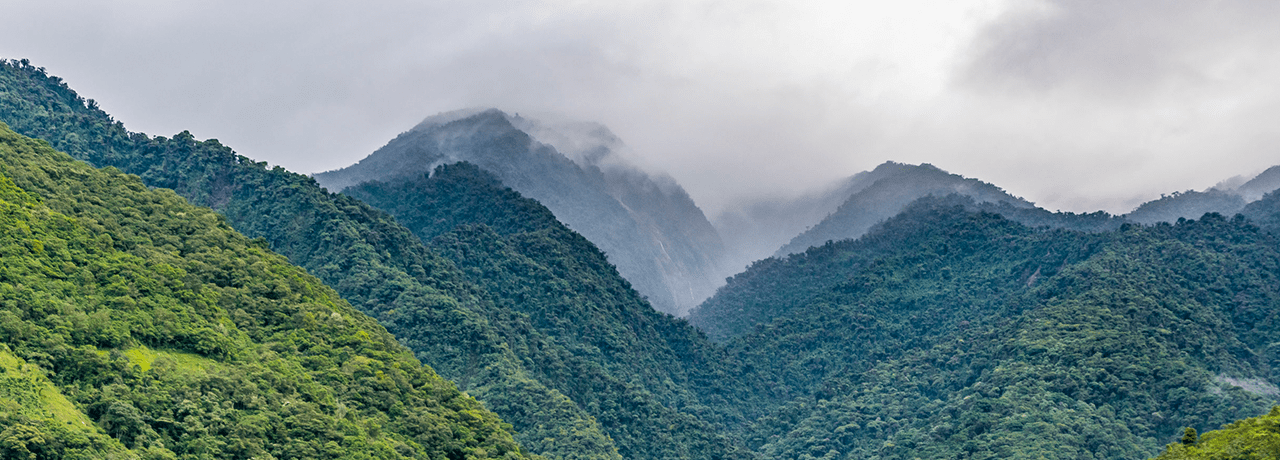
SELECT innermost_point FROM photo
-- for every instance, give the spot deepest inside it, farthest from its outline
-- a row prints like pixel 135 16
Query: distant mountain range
pixel 646 223
pixel 883 192
pixel 923 314
pixel 1225 198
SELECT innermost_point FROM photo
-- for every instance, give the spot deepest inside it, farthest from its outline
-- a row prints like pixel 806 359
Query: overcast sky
pixel 1075 105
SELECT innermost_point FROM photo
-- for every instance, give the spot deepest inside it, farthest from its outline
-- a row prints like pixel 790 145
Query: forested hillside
pixel 1255 438
pixel 646 223
pixel 453 324
pixel 960 327
pixel 1184 205
pixel 643 374
pixel 138 326
pixel 773 287
pixel 1224 198
pixel 371 261
pixel 954 333
pixel 895 186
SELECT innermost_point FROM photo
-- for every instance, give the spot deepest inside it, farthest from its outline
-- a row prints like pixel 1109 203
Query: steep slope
pixel 757 229
pixel 374 263
pixel 176 336
pixel 1252 438
pixel 959 334
pixel 1262 184
pixel 1265 212
pixel 647 377
pixel 1225 199
pixel 1186 205
pixel 648 225
pixel 773 287
pixel 895 187
pixel 468 334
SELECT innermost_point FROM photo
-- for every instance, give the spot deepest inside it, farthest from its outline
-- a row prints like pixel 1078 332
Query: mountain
pixel 1265 211
pixel 1262 184
pixel 1225 199
pixel 887 190
pixel 1251 438
pixel 757 229
pixel 948 332
pixel 139 326
pixel 373 262
pixel 647 224
pixel 771 288
pixel 516 362
pixel 653 382
pixel 1189 204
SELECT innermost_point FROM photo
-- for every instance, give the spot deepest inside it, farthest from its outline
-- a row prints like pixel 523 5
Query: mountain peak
pixel 881 193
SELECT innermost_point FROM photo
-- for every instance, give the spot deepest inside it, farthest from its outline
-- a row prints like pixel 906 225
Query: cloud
pixel 1086 105
pixel 1075 105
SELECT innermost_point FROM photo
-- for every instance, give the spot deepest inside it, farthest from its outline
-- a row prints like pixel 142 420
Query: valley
pixel 488 285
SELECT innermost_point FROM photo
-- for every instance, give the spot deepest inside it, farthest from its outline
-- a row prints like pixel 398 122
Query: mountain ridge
pixel 632 215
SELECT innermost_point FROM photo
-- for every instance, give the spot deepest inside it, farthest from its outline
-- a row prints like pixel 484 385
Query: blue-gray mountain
pixel 883 192
pixel 1226 198
pixel 646 223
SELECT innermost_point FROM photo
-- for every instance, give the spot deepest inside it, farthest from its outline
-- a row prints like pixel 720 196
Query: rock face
pixel 883 192
pixel 646 223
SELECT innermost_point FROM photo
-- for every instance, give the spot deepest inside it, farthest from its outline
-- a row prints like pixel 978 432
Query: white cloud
pixel 1075 105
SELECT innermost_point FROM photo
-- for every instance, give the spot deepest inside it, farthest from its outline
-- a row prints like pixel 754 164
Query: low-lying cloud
pixel 1073 105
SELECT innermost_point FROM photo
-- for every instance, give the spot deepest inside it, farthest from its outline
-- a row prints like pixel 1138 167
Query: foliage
pixel 1265 212
pixel 270 363
pixel 1187 205
pixel 773 287
pixel 1252 438
pixel 564 309
pixel 451 323
pixel 950 333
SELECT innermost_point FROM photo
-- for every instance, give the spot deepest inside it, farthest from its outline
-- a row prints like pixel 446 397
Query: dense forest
pixel 1255 438
pixel 138 326
pixel 449 320
pixel 959 326
pixel 969 335
pixel 647 224
pixel 651 380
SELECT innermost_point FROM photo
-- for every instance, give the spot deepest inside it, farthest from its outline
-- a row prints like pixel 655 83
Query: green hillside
pixel 656 384
pixel 373 262
pixel 445 315
pixel 773 287
pixel 1256 438
pixel 959 334
pixel 133 320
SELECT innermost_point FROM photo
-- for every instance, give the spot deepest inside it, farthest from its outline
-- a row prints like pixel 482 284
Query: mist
pixel 1075 106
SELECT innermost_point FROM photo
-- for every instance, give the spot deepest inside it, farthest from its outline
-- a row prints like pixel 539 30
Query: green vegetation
pixel 948 333
pixel 953 330
pixel 245 355
pixel 450 321
pixel 1256 438
pixel 568 313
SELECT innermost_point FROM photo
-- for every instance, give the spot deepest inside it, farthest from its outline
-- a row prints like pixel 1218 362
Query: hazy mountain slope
pixel 1186 205
pixel 644 375
pixel 1265 212
pixel 969 335
pixel 373 262
pixel 177 336
pixel 651 230
pixel 756 230
pixel 771 288
pixel 1262 184
pixel 1225 199
pixel 896 187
